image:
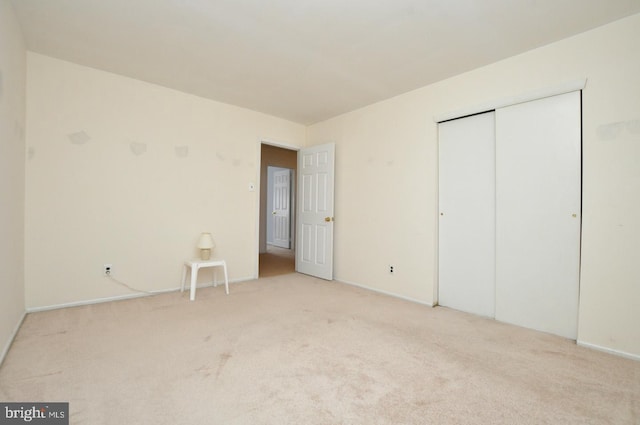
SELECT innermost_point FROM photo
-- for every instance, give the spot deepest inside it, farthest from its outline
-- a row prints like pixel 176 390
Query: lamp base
pixel 205 254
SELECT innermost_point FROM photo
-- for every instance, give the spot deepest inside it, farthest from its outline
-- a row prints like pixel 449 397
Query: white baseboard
pixel 123 297
pixel 97 301
pixel 609 350
pixel 5 350
pixel 380 291
pixel 242 279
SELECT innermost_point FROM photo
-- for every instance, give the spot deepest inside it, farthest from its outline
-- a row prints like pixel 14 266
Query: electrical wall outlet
pixel 107 269
pixel 390 269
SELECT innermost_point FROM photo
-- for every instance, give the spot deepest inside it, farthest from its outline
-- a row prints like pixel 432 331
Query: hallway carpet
pixel 277 261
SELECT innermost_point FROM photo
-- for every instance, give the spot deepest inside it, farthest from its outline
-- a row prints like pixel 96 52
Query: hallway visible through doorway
pixel 277 261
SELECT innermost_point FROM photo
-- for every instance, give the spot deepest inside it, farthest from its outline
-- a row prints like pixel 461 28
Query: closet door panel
pixel 467 214
pixel 538 198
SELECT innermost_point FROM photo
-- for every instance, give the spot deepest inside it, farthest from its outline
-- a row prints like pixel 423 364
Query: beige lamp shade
pixel 206 241
pixel 206 244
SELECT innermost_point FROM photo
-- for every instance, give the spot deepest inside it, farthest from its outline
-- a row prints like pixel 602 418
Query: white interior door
pixel 314 246
pixel 281 208
pixel 466 253
pixel 538 195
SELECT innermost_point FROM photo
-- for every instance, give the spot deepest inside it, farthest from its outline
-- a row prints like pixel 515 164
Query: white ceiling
pixel 303 60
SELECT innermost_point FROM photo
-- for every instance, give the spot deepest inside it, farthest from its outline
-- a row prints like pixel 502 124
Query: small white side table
pixel 196 265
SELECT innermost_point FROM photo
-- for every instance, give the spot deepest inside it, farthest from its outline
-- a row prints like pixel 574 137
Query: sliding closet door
pixel 467 214
pixel 538 186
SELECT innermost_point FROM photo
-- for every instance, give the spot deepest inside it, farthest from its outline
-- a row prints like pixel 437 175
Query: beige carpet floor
pixel 296 350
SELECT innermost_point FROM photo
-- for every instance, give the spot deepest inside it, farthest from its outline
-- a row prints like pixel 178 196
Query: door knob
pixel 274 213
pixel 328 219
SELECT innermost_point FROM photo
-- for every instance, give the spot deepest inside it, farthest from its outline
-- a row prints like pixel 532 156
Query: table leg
pixel 184 277
pixel 194 278
pixel 226 278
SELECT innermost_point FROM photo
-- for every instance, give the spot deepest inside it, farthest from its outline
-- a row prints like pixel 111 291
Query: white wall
pixel 156 168
pixel 389 149
pixel 12 122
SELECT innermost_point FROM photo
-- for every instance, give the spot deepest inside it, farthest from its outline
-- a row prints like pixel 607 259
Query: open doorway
pixel 278 168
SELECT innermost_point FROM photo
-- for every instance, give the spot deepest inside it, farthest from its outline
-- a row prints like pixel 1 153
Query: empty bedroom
pixel 319 212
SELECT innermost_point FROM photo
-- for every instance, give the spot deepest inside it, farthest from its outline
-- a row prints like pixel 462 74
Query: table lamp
pixel 206 245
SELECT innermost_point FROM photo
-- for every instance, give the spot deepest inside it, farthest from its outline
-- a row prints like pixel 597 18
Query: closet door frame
pixel 564 88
